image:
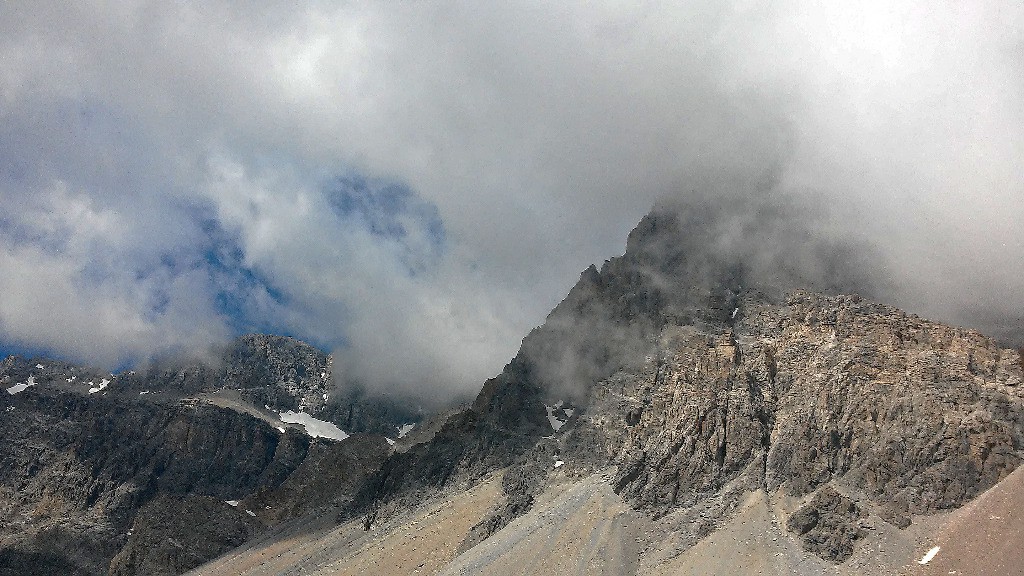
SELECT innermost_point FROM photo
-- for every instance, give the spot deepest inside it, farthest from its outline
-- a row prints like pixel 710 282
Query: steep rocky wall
pixel 691 365
pixel 913 415
pixel 74 470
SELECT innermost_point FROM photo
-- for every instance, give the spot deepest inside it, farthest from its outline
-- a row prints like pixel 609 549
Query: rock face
pixel 828 524
pixel 76 469
pixel 160 544
pixel 276 373
pixel 301 374
pixel 918 415
pixel 696 372
pixel 129 474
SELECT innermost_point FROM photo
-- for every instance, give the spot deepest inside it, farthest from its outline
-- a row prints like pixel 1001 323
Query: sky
pixel 414 185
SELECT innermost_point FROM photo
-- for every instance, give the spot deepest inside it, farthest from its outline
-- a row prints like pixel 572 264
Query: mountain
pixel 103 472
pixel 726 397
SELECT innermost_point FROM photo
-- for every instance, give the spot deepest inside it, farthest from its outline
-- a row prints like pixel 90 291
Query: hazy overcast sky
pixel 415 184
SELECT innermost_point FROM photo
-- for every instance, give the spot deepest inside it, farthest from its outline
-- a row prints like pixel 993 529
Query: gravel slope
pixel 421 541
pixel 580 526
pixel 584 529
pixel 985 537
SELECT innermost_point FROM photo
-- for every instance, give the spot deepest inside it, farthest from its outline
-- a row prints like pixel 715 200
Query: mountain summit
pixel 723 398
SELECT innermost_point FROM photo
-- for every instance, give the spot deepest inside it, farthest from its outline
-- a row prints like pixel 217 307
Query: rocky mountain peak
pixel 302 374
pixel 725 361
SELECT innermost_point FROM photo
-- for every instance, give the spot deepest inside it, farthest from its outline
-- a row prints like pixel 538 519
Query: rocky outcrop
pixel 693 372
pixel 301 374
pixel 174 533
pixel 95 466
pixel 828 525
pixel 75 470
pixel 273 373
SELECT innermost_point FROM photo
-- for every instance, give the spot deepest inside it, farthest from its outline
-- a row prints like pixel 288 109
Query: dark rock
pixel 828 525
pixel 175 533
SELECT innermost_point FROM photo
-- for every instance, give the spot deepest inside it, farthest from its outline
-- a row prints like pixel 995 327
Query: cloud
pixel 183 171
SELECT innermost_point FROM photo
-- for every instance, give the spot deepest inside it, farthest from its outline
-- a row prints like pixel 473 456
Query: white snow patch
pixel 568 412
pixel 250 513
pixel 558 463
pixel 144 392
pixel 325 397
pixel 10 409
pixel 102 385
pixel 280 429
pixel 231 502
pixel 40 366
pixel 390 441
pixel 72 379
pixel 21 387
pixel 734 311
pixel 405 429
pixel 315 428
pixel 556 424
pixel 927 557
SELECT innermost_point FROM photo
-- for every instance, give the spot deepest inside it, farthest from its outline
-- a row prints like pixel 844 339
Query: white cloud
pixel 541 133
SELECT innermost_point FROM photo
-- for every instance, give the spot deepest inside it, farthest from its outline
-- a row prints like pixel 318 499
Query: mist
pixel 414 186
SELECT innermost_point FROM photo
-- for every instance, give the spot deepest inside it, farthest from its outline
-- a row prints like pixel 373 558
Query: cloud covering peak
pixel 415 185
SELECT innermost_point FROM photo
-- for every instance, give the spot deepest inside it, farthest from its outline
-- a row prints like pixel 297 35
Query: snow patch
pixel 558 463
pixel 231 502
pixel 390 441
pixel 103 384
pixel 21 387
pixel 250 513
pixel 40 366
pixel 555 422
pixel 928 557
pixel 72 379
pixel 280 429
pixel 734 311
pixel 404 429
pixel 315 428
pixel 144 392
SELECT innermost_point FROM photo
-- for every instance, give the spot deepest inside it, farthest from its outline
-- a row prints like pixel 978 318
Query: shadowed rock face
pixel 76 469
pixel 141 461
pixel 163 546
